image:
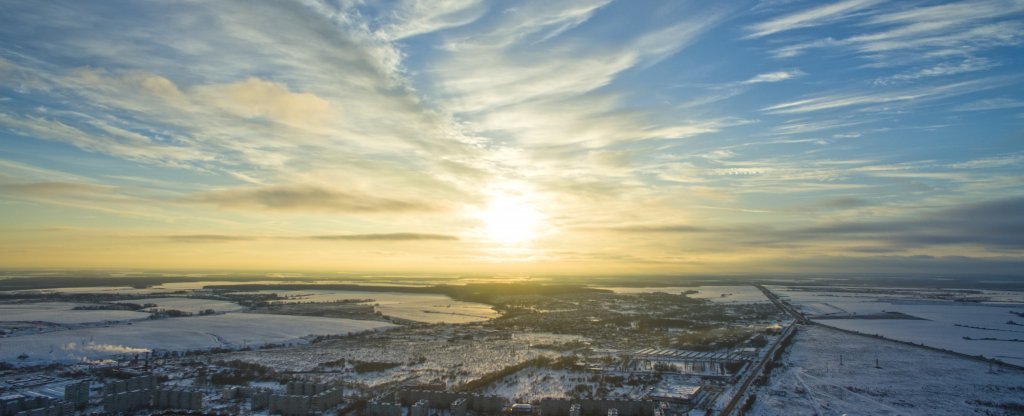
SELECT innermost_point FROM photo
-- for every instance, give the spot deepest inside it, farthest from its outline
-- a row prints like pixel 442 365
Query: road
pixel 797 315
pixel 752 373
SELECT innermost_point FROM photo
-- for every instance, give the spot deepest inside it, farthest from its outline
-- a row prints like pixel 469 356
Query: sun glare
pixel 510 218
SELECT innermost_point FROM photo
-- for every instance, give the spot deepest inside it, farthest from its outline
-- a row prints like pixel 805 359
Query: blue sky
pixel 530 137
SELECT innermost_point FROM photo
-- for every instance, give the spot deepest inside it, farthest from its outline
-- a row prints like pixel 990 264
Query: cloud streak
pixel 921 94
pixel 816 16
pixel 224 238
pixel 54 188
pixel 777 76
pixel 385 237
pixel 901 34
pixel 996 224
pixel 305 198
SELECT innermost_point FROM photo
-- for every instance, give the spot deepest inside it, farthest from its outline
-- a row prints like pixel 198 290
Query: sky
pixel 537 137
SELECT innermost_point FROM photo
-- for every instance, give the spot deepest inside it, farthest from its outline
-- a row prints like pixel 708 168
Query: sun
pixel 510 217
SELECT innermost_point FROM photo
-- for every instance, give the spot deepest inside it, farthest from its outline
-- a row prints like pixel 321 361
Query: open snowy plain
pixel 985 323
pixel 828 372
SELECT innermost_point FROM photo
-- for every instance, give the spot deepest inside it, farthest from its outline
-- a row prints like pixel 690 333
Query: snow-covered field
pixel 718 294
pixel 175 334
pixel 429 308
pixel 911 381
pixel 191 305
pixel 123 290
pixel 944 322
pixel 936 334
pixel 165 288
pixel 822 301
pixel 730 294
pixel 418 307
pixel 189 286
pixel 1001 296
pixel 61 313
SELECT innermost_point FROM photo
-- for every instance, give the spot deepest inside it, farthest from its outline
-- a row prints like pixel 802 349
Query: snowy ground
pixel 944 322
pixel 62 313
pixel 165 288
pixel 534 384
pixel 451 355
pixel 911 381
pixel 537 383
pixel 419 307
pixel 729 294
pixel 175 334
pixel 191 305
pixel 122 290
pixel 937 334
pixel 718 294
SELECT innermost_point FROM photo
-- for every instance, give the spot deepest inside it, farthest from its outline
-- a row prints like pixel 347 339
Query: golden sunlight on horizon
pixel 511 216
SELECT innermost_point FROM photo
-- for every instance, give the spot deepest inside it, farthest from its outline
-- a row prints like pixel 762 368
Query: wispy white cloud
pixel 271 93
pixel 990 104
pixel 527 23
pixel 815 16
pixel 797 127
pixel 943 69
pixel 417 17
pixel 797 49
pixel 1000 161
pixel 776 76
pixel 104 139
pixel 850 135
pixel 478 80
pixel 898 34
pixel 919 94
pixel 526 81
pixel 952 11
pixel 936 43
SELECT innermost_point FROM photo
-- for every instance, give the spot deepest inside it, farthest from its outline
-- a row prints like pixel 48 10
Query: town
pixel 547 349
